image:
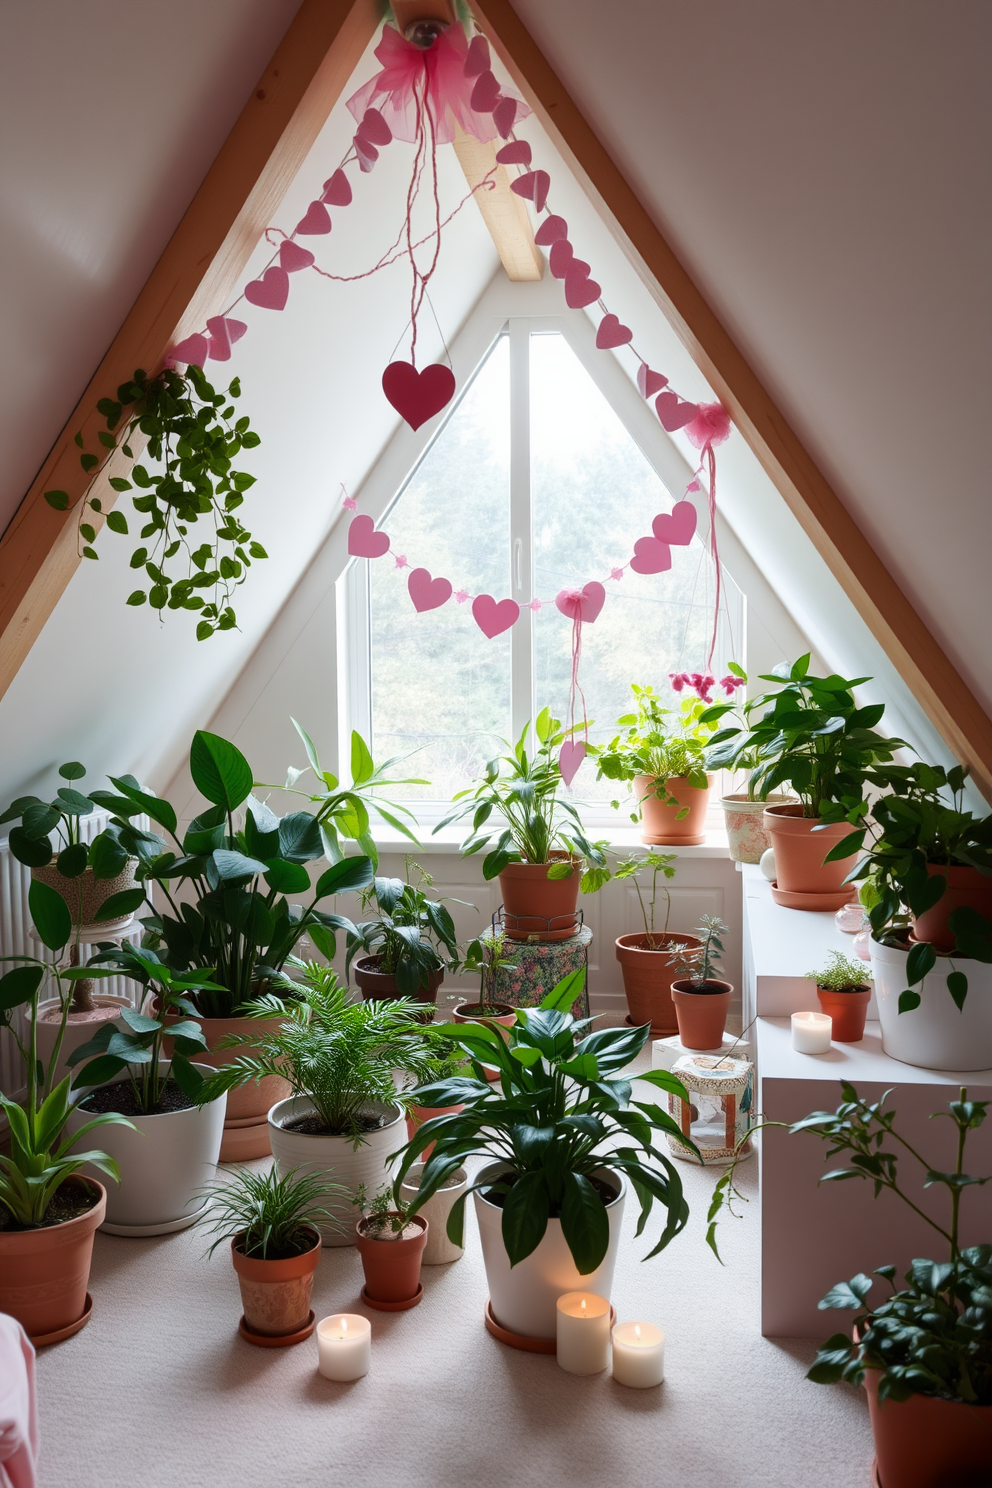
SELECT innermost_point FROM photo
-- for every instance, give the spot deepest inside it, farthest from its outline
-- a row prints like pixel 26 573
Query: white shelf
pixel 859 1063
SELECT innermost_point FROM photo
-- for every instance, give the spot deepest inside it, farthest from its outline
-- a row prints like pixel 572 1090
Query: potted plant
pixel 391 1244
pixel 345 1114
pixel 173 1141
pixel 743 811
pixel 534 840
pixel 48 1210
pixel 550 1196
pixel 439 1250
pixel 446 1062
pixel 843 995
pixel 491 959
pixel 647 975
pixel 701 999
pixel 662 753
pixel 405 943
pixel 275 1246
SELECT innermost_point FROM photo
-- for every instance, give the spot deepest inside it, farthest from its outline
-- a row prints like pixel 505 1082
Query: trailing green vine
pixel 191 437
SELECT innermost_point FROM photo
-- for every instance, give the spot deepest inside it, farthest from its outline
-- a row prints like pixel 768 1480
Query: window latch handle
pixel 518 565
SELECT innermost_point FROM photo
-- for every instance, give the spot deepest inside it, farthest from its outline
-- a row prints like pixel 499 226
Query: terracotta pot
pixel 702 1015
pixel 965 887
pixel 44 1273
pixel 246 1128
pixel 744 819
pixel 799 853
pixel 85 894
pixel 380 986
pixel 275 1295
pixel 924 1442
pixel 848 1010
pixel 658 819
pixel 504 1019
pixel 538 908
pixel 648 978
pixel 392 1267
pixel 417 1115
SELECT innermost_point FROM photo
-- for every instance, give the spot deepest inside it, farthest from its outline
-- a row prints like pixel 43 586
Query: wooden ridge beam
pixel 503 212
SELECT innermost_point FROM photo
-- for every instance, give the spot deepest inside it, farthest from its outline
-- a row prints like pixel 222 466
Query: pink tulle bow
pixel 710 426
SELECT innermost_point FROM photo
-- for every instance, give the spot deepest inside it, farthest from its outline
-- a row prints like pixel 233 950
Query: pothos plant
pixel 193 442
pixel 658 744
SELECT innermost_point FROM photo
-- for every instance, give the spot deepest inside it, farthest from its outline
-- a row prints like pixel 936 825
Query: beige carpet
pixel 158 1390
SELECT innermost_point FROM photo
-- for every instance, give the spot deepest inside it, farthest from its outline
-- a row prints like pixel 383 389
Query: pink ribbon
pixel 711 426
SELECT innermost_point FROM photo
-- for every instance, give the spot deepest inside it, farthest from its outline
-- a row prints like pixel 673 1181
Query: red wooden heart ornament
pixel 560 257
pixel 317 220
pixel 673 413
pixel 648 382
pixel 533 186
pixel 271 291
pixel 364 541
pixel 292 257
pixel 677 526
pixel 551 230
pixel 611 333
pixel 651 556
pixel 477 57
pixel 418 396
pixel 517 152
pixel 486 93
pixel 337 190
pixel 492 618
pixel 504 115
pixel 427 593
pixel 374 129
pixel 582 604
pixel 580 290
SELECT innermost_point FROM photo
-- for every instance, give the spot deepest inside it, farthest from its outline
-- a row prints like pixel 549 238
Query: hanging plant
pixel 191 437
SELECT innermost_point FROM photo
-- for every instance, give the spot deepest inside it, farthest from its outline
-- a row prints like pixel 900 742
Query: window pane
pixel 438 685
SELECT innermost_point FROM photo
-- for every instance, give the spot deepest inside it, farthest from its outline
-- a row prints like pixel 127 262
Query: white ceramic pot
pixel 525 1298
pixel 337 1158
pixel 746 834
pixel 79 1028
pixel 164 1165
pixel 439 1249
pixel 935 1035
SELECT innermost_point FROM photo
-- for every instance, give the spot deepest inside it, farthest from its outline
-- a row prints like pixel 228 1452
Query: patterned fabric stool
pixel 539 967
pixel 718 1117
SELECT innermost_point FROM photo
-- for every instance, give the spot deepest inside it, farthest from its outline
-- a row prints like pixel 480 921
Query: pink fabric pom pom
pixel 616 573
pixel 350 503
pixel 710 426
pixel 678 680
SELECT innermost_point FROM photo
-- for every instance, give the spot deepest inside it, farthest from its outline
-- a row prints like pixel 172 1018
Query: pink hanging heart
pixel 673 413
pixel 648 382
pixel 418 396
pixel 611 333
pixel 477 57
pixel 582 604
pixel 492 618
pixel 193 351
pixel 504 115
pixel 517 152
pixel 374 129
pixel 364 541
pixel 560 258
pixel 551 230
pixel 533 186
pixel 271 291
pixel 337 190
pixel 223 334
pixel 367 154
pixel 677 526
pixel 580 290
pixel 427 593
pixel 486 93
pixel 317 220
pixel 293 257
pixel 651 556
pixel 570 757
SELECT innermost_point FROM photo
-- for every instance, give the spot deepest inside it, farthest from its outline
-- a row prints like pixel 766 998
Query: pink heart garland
pixel 427 593
pixel 504 115
pixel 648 382
pixel 364 541
pixel 582 604
pixel 223 334
pixel 317 220
pixel 551 230
pixel 271 291
pixel 534 186
pixel 477 57
pixel 293 257
pixel 374 129
pixel 611 333
pixel 673 413
pixel 486 93
pixel 560 257
pixel 193 351
pixel 677 526
pixel 570 757
pixel 418 396
pixel 337 190
pixel 651 556
pixel 517 152
pixel 580 290
pixel 367 154
pixel 492 618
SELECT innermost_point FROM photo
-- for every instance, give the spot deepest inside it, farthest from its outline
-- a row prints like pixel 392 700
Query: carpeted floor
pixel 159 1390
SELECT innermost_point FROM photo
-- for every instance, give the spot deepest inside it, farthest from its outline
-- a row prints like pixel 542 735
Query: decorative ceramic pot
pixel 702 1013
pixel 85 894
pixel 536 907
pixel 44 1273
pixel 848 1010
pixel 966 887
pixel 802 879
pixel 661 820
pixel 439 1250
pixel 275 1294
pixel 392 1265
pixel 648 978
pixel 744 818
pixel 935 1035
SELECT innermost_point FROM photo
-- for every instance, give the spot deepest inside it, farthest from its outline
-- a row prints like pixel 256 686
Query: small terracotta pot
pixel 275 1295
pixel 44 1273
pixel 503 1020
pixel 799 853
pixel 848 1010
pixel 538 908
pixel 392 1267
pixel 648 978
pixel 246 1128
pixel 966 887
pixel 380 986
pixel 659 822
pixel 747 838
pixel 85 894
pixel 417 1115
pixel 924 1442
pixel 702 1015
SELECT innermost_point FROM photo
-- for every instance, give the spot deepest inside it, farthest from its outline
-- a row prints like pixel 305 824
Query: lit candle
pixel 638 1355
pixel 811 1033
pixel 344 1346
pixel 583 1333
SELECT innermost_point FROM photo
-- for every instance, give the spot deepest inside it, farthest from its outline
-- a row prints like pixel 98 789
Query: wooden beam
pixel 203 261
pixel 887 612
pixel 504 213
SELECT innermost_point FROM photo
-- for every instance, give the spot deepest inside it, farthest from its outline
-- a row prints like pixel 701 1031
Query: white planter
pixel 744 819
pixel 439 1249
pixel 164 1165
pixel 337 1158
pixel 524 1299
pixel 79 1029
pixel 935 1035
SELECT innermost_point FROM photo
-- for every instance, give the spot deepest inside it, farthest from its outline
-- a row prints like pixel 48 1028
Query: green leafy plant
pixel 385 1216
pixel 492 958
pixel 271 1218
pixel 630 870
pixel 841 974
pixel 661 744
pixel 409 933
pixel 559 1114
pixel 193 442
pixel 696 963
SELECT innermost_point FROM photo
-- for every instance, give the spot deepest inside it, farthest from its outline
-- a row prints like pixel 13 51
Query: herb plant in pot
pixel 662 753
pixel 391 1244
pixel 701 999
pixel 490 953
pixel 405 944
pixel 843 994
pixel 647 973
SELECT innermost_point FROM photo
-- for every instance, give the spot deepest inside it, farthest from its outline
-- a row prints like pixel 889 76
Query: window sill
pixel 621 840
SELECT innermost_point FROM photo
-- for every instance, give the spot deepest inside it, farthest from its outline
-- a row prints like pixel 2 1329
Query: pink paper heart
pixel 486 93
pixel 293 257
pixel 517 152
pixel 367 154
pixel 223 334
pixel 477 57
pixel 673 413
pixel 651 556
pixel 677 526
pixel 580 290
pixel 427 593
pixel 364 541
pixel 374 129
pixel 582 604
pixel 418 396
pixel 193 351
pixel 533 186
pixel 492 618
pixel 271 291
pixel 570 757
pixel 504 115
pixel 648 382
pixel 551 230
pixel 560 257
pixel 612 333
pixel 317 220
pixel 337 190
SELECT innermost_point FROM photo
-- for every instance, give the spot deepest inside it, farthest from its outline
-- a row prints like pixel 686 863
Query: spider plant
pixel 273 1215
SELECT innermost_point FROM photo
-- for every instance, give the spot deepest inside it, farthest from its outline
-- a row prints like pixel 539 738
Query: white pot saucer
pixel 141 1232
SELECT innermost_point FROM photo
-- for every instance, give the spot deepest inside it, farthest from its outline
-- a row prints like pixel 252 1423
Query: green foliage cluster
pixel 842 974
pixel 630 869
pixel 409 932
pixel 268 1216
pixel 383 1213
pixel 660 743
pixel 696 963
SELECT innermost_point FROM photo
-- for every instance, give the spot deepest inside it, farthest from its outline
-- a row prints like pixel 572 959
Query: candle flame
pixel 637 1331
pixel 583 1304
pixel 344 1325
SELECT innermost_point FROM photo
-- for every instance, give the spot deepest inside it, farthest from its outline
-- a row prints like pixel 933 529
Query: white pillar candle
pixel 638 1355
pixel 344 1346
pixel 583 1332
pixel 811 1033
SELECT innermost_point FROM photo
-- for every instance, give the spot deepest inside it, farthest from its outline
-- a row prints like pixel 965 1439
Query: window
pixel 532 485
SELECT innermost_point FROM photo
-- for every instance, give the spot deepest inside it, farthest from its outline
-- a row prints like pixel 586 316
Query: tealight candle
pixel 344 1346
pixel 638 1355
pixel 583 1333
pixel 811 1033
